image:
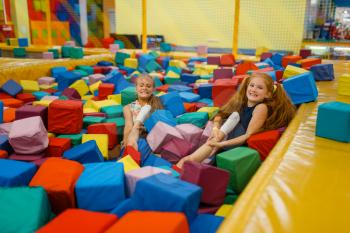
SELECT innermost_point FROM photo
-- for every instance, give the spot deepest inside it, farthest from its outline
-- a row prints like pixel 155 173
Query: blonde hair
pixel 153 100
pixel 280 109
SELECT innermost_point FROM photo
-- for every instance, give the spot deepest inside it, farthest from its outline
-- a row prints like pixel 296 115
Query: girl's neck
pixel 142 102
pixel 252 104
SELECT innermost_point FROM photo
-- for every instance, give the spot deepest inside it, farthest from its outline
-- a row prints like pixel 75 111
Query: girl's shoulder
pixel 262 107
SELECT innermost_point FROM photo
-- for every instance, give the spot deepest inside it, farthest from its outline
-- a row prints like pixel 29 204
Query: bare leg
pixel 133 137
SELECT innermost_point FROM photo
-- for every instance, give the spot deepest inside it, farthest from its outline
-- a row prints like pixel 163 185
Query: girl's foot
pixel 183 160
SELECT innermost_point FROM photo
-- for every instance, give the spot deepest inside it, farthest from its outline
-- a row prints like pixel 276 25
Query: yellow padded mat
pixel 304 185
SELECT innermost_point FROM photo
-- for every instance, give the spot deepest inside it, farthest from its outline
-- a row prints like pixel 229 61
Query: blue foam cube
pixel 40 94
pixel 301 88
pixel 159 115
pixel 173 102
pixel 11 87
pixel 162 192
pixel 165 47
pixel 205 90
pixel 56 70
pixel 179 88
pixel 333 121
pixel 1 112
pixel 144 60
pixel 144 149
pixel 5 144
pixel 206 223
pixel 15 173
pixel 208 102
pixel 277 58
pixel 323 72
pixel 23 42
pixel 67 78
pixel 118 80
pixel 101 186
pixel 189 97
pixel 189 78
pixel 87 152
pixel 156 161
pixel 105 63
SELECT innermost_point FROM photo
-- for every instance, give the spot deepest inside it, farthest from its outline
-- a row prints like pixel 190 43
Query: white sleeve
pixel 145 110
pixel 230 123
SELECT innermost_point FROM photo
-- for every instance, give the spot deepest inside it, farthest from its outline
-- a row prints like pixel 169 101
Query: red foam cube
pixel 227 60
pixel 105 128
pixel 105 89
pixel 290 59
pixel 57 146
pixel 26 97
pixel 264 142
pixel 222 91
pixel 135 155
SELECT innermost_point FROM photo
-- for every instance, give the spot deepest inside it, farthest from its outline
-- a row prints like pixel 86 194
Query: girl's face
pixel 144 88
pixel 257 91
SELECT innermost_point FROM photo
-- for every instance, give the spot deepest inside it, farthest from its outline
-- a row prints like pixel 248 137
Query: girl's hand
pixel 214 134
pixel 215 144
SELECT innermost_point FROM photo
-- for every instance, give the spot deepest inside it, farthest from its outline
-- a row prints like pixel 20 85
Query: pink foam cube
pixel 114 48
pixel 160 134
pixel 94 78
pixel 48 55
pixel 175 149
pixel 5 128
pixel 206 132
pixel 46 80
pixel 135 175
pixel 28 136
pixel 191 133
pixel 50 97
pixel 69 43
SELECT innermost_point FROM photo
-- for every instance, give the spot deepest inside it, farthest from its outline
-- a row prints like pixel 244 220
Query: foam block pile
pixel 60 144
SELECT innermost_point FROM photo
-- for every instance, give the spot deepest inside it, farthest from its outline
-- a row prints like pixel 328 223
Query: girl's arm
pixel 128 123
pixel 255 125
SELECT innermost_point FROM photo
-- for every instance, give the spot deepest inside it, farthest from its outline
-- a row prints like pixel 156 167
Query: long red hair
pixel 280 109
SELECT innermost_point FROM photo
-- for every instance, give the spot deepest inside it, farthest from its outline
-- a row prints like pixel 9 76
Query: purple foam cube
pixel 5 128
pixel 50 97
pixel 94 78
pixel 135 175
pixel 190 133
pixel 160 134
pixel 28 136
pixel 213 60
pixel 46 80
pixel 30 111
pixel 26 158
pixel 212 180
pixel 71 94
pixel 223 74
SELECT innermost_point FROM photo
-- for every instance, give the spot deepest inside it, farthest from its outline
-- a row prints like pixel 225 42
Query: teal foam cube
pixel 333 121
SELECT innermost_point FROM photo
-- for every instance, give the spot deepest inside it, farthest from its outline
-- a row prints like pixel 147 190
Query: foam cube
pixel 90 120
pixel 40 94
pixel 132 177
pixel 189 97
pixel 24 209
pixel 223 74
pixel 57 146
pixel 15 173
pixel 26 97
pixel 30 111
pixel 11 87
pixel 179 88
pixel 120 57
pixel 196 118
pixel 290 59
pixel 46 80
pixel 344 85
pixel 162 192
pixel 308 62
pixel 151 222
pixel 120 123
pixel 76 52
pixel 323 72
pixel 28 136
pixel 96 184
pixel 213 60
pixel 128 95
pixel 19 52
pixel 212 180
pixel 105 89
pixel 206 223
pixel 4 139
pixel 173 102
pixel 113 111
pixel 202 50
pixel 128 163
pixel 65 116
pixel 67 78
pixel 165 47
pixel 189 78
pixel 301 88
pixel 56 70
pixel 222 91
pixel 94 78
pixel 87 69
pixel 339 114
pixel 264 142
pixel 175 149
pixel 224 210
pixel 23 42
pixel 105 128
pixel 242 163
pixel 159 115
pixel 190 133
pixel 291 71
pixel 48 55
pixel 133 153
pixel 88 152
pixel 277 58
pixel 80 86
pixel 78 220
pixel 160 134
pixel 304 53
pixel 212 111
pixel 156 161
pixel 60 191
pixel 101 140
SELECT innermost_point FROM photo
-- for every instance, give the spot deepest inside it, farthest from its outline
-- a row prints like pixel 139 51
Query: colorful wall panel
pixel 59 30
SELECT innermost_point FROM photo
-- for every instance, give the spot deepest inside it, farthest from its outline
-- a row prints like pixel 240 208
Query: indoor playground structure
pixel 68 68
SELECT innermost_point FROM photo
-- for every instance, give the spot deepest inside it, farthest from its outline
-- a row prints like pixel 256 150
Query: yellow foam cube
pixel 131 63
pixel 87 97
pixel 224 210
pixel 42 103
pixel 45 87
pixel 199 81
pixel 13 41
pixel 172 74
pixel 117 98
pixel 292 71
pixel 104 103
pixel 89 110
pixel 261 50
pixel 210 68
pixel 344 84
pixel 212 111
pixel 135 74
pixel 94 87
pixel 129 163
pixel 81 87
pixel 51 135
pixel 161 93
pixel 29 86
pixel 178 63
pixel 101 141
pixel 201 71
pixel 90 105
